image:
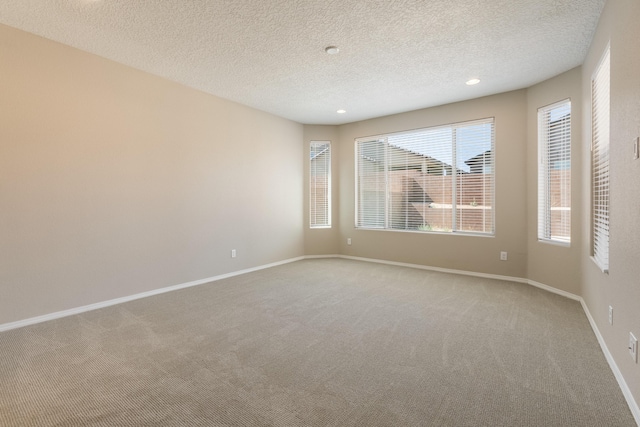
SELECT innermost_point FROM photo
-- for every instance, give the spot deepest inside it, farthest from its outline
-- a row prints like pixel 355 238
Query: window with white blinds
pixel 554 173
pixel 438 179
pixel 320 184
pixel 600 162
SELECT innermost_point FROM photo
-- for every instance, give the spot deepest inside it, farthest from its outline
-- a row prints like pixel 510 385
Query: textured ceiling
pixel 395 55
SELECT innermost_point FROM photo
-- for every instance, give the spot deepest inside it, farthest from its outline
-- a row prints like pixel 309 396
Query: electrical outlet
pixel 233 253
pixel 610 315
pixel 503 256
pixel 633 347
pixel 349 241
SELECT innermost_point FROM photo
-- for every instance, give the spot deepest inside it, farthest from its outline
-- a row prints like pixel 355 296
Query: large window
pixel 600 162
pixel 320 184
pixel 554 173
pixel 438 179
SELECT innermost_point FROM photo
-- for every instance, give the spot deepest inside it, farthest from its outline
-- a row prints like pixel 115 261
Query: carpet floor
pixel 321 342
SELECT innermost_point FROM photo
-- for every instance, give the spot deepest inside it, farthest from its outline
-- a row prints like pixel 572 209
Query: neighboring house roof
pixel 480 158
pixel 315 154
pixel 413 158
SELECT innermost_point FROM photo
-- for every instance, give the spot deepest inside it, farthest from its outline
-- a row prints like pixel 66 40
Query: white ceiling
pixel 395 55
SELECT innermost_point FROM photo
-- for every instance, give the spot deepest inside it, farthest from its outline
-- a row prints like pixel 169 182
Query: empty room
pixel 319 213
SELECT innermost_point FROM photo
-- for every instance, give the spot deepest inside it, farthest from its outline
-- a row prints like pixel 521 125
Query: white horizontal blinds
pixel 408 181
pixel 371 183
pixel 320 184
pixel 474 159
pixel 554 172
pixel 600 161
pixel 419 181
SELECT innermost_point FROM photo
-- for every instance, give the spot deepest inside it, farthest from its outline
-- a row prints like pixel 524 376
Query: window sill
pixel 555 243
pixel 437 233
pixel 604 270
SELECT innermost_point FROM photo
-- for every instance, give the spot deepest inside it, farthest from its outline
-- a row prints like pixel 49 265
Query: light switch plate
pixel 636 148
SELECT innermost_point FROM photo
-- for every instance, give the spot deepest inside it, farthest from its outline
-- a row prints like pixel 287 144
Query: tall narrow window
pixel 320 184
pixel 437 179
pixel 554 173
pixel 600 162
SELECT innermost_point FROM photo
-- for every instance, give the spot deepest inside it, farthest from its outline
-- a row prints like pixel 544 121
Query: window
pixel 554 173
pixel 320 184
pixel 438 179
pixel 600 162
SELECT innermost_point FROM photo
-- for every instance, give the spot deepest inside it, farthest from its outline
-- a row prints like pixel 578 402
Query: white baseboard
pixel 85 308
pixel 555 290
pixel 95 306
pixel 471 273
pixel 321 256
pixel 633 405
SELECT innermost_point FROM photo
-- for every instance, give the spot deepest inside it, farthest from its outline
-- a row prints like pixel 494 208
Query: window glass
pixel 600 162
pixel 438 179
pixel 554 173
pixel 320 184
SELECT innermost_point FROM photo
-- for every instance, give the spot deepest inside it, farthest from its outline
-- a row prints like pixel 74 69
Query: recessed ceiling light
pixel 331 50
pixel 341 111
pixel 473 82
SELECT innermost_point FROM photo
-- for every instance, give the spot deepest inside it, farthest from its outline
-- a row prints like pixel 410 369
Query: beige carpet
pixel 325 342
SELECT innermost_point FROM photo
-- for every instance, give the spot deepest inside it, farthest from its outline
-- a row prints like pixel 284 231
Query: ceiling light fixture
pixel 473 82
pixel 331 50
pixel 341 111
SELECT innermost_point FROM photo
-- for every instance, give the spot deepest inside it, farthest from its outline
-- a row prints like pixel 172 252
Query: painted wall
pixel 550 264
pixel 621 287
pixel 566 268
pixel 115 182
pixel 460 252
pixel 322 241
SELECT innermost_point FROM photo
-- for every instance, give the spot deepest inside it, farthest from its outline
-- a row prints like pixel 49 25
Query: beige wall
pixel 551 264
pixel 115 182
pixel 470 253
pixel 566 268
pixel 621 287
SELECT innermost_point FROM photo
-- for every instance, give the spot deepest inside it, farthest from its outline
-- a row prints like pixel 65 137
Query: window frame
pixel 600 161
pixel 545 169
pixel 314 202
pixel 488 223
